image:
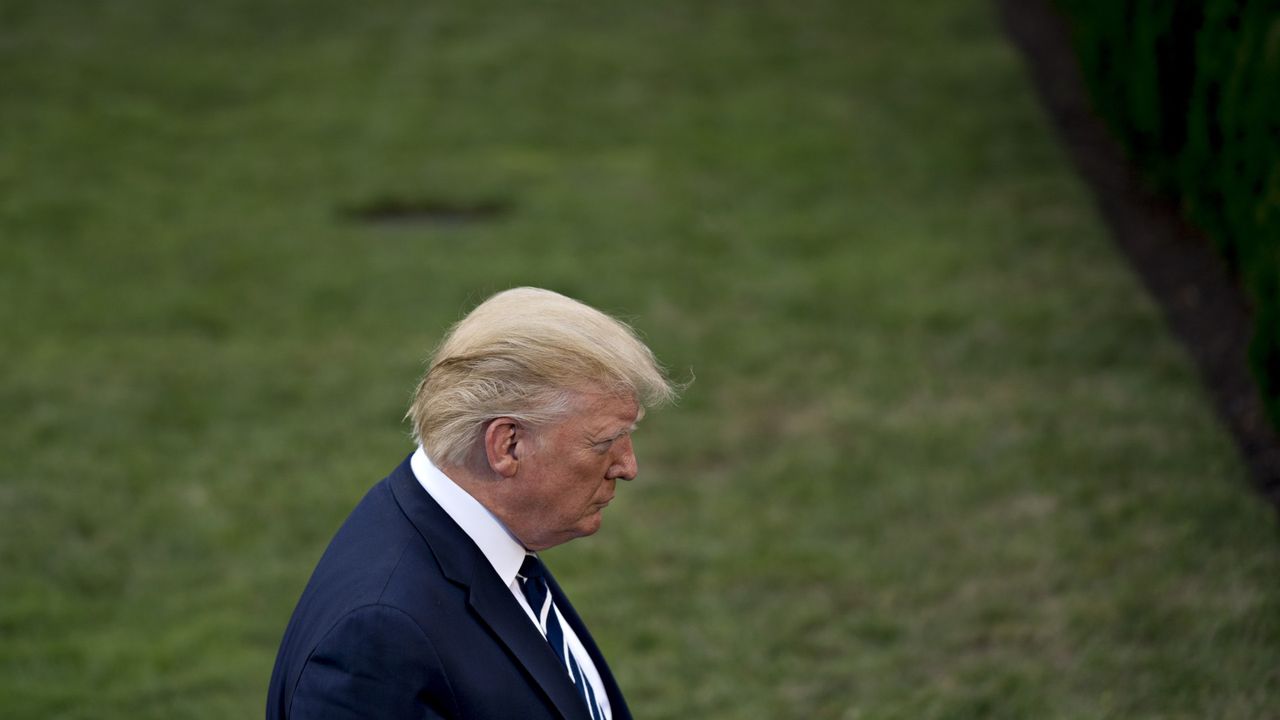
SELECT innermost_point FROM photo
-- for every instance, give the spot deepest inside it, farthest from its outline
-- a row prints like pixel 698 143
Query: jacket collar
pixel 503 551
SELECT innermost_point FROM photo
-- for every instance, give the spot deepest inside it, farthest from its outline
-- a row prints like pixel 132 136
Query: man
pixel 430 601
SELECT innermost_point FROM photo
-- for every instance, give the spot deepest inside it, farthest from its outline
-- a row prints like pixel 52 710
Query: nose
pixel 626 467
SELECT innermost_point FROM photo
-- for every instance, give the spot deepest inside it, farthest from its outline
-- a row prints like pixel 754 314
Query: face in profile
pixel 567 473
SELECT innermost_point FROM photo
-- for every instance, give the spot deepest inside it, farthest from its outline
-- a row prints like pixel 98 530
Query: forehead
pixel 600 413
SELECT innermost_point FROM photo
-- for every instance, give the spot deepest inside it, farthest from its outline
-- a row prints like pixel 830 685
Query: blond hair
pixel 526 353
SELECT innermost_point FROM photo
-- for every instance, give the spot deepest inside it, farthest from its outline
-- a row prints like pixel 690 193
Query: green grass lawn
pixel 941 458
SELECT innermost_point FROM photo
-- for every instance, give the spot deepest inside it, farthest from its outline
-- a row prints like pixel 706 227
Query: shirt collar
pixel 500 548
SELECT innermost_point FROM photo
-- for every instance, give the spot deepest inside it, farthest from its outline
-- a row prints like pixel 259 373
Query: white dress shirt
pixel 503 552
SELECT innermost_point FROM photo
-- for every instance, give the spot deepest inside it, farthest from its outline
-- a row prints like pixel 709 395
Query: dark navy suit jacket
pixel 404 617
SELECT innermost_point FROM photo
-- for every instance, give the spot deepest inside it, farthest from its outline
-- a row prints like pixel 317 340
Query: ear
pixel 501 440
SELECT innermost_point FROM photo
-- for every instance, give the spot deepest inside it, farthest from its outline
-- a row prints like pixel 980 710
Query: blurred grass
pixel 941 459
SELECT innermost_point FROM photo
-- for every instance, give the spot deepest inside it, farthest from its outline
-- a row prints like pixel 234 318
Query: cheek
pixel 592 479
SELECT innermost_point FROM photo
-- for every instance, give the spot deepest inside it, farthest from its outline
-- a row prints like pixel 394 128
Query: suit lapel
pixel 494 604
pixel 463 563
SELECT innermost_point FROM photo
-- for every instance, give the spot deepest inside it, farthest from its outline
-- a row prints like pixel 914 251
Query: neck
pixel 488 490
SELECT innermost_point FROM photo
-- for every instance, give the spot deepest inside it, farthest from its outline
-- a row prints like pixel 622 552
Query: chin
pixel 590 525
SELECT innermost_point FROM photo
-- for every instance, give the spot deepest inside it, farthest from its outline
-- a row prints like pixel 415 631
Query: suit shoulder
pixel 366 550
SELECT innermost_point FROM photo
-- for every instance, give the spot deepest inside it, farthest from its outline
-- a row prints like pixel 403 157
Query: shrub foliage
pixel 1192 87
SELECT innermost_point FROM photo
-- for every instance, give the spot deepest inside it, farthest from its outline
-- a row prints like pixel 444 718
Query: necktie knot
pixel 533 583
pixel 532 568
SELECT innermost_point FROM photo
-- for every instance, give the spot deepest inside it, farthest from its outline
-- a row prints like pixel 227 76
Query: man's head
pixel 538 392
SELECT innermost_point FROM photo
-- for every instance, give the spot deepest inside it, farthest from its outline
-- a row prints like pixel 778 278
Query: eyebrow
pixel 620 433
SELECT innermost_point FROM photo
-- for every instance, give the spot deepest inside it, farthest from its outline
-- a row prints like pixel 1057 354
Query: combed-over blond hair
pixel 526 353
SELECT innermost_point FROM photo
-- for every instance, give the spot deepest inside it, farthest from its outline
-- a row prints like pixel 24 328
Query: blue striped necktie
pixel 533 581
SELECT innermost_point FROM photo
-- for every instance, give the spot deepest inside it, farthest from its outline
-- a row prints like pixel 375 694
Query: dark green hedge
pixel 1193 89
